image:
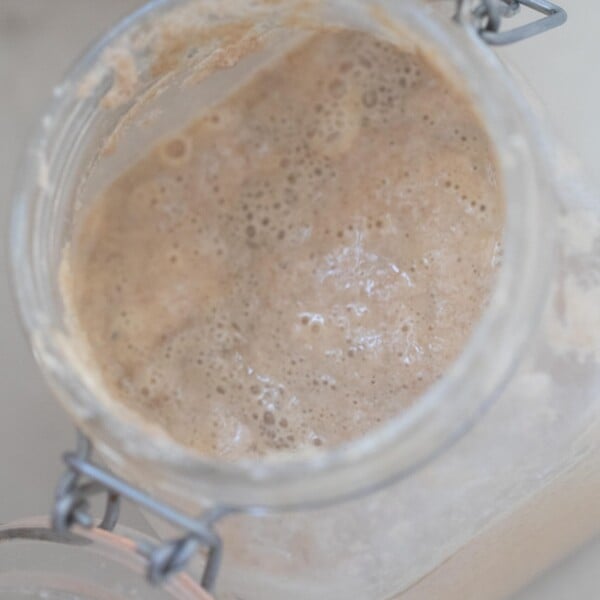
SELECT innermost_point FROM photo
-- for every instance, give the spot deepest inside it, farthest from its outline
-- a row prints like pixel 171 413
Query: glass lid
pixel 36 562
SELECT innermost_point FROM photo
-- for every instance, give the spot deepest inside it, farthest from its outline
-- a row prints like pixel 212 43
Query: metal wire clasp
pixel 487 16
pixel 83 479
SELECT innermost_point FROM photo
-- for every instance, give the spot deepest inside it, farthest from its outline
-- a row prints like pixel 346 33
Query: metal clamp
pixel 487 16
pixel 83 479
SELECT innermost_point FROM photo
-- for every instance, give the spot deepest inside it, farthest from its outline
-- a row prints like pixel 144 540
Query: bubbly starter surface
pixel 300 263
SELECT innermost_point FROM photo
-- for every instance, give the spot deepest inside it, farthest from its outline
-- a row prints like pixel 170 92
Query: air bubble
pixel 176 152
pixel 337 88
pixel 369 99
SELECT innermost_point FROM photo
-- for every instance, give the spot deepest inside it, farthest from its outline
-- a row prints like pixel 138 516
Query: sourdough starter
pixel 300 263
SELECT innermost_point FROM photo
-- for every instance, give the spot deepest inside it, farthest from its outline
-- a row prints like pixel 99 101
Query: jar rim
pixel 438 418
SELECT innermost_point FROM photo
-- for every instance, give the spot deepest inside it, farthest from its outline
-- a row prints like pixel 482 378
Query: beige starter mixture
pixel 300 263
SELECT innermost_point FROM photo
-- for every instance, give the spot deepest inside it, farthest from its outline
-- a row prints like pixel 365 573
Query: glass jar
pixel 427 505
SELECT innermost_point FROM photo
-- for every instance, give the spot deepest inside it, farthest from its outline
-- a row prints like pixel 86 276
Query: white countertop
pixel 38 41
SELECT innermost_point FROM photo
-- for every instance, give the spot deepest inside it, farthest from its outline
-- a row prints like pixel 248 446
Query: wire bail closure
pixel 83 479
pixel 487 16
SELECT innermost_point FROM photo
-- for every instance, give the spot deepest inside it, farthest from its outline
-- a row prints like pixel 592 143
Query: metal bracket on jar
pixel 487 17
pixel 84 479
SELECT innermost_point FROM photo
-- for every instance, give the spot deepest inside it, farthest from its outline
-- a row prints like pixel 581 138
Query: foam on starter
pixel 300 263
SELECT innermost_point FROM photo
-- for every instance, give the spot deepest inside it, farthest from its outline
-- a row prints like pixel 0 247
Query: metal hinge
pixel 84 479
pixel 487 16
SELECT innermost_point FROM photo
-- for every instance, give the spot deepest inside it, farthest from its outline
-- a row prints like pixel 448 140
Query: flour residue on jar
pixel 299 264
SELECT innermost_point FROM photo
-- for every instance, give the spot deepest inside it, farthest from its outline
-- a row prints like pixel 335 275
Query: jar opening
pixel 446 410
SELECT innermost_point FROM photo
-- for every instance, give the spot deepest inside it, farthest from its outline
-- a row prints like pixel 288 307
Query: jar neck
pixel 448 409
